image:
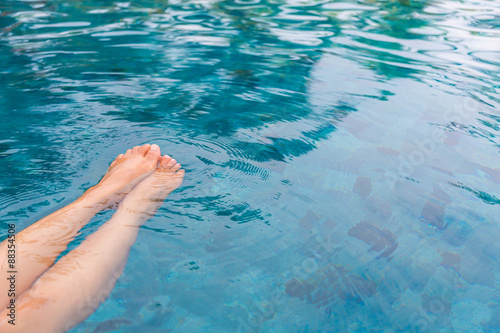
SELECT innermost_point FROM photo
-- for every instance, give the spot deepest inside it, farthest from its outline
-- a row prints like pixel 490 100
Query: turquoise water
pixel 342 158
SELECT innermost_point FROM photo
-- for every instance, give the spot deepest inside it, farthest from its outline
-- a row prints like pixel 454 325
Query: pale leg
pixel 38 246
pixel 75 286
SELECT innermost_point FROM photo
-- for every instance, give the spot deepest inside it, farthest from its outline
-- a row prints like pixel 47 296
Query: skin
pixel 70 290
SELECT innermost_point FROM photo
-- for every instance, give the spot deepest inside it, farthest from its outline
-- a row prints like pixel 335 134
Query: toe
pixel 171 163
pixel 128 152
pixel 180 173
pixel 176 167
pixel 135 150
pixel 164 160
pixel 144 149
pixel 154 152
pixel 116 160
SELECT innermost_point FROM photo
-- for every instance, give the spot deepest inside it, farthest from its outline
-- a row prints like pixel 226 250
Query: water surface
pixel 342 158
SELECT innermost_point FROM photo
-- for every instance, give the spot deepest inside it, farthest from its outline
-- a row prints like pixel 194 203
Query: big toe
pixel 164 160
pixel 154 153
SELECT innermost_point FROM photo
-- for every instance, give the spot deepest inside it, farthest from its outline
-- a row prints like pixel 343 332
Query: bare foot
pixel 149 194
pixel 126 171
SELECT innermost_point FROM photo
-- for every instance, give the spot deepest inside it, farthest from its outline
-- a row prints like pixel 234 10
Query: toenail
pixel 155 147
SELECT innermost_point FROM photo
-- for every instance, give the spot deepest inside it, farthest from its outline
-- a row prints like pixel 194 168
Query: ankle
pixel 94 198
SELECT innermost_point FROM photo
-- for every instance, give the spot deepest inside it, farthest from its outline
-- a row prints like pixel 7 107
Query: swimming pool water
pixel 342 157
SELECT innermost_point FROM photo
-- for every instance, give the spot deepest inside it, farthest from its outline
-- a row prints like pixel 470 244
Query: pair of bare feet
pixel 142 175
pixel 53 296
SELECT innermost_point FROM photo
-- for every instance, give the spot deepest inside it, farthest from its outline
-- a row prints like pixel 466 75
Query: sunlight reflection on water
pixel 341 157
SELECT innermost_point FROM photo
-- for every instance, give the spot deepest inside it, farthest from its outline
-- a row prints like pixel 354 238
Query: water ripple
pixel 346 143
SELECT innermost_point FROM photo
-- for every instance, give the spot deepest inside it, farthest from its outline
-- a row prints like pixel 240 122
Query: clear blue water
pixel 342 158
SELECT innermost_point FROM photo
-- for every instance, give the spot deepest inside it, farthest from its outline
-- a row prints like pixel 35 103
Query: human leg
pixel 74 287
pixel 39 245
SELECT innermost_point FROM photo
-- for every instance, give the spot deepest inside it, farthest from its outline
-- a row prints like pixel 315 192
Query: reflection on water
pixel 342 157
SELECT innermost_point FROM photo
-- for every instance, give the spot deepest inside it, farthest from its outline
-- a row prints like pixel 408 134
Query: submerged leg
pixel 74 287
pixel 38 246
